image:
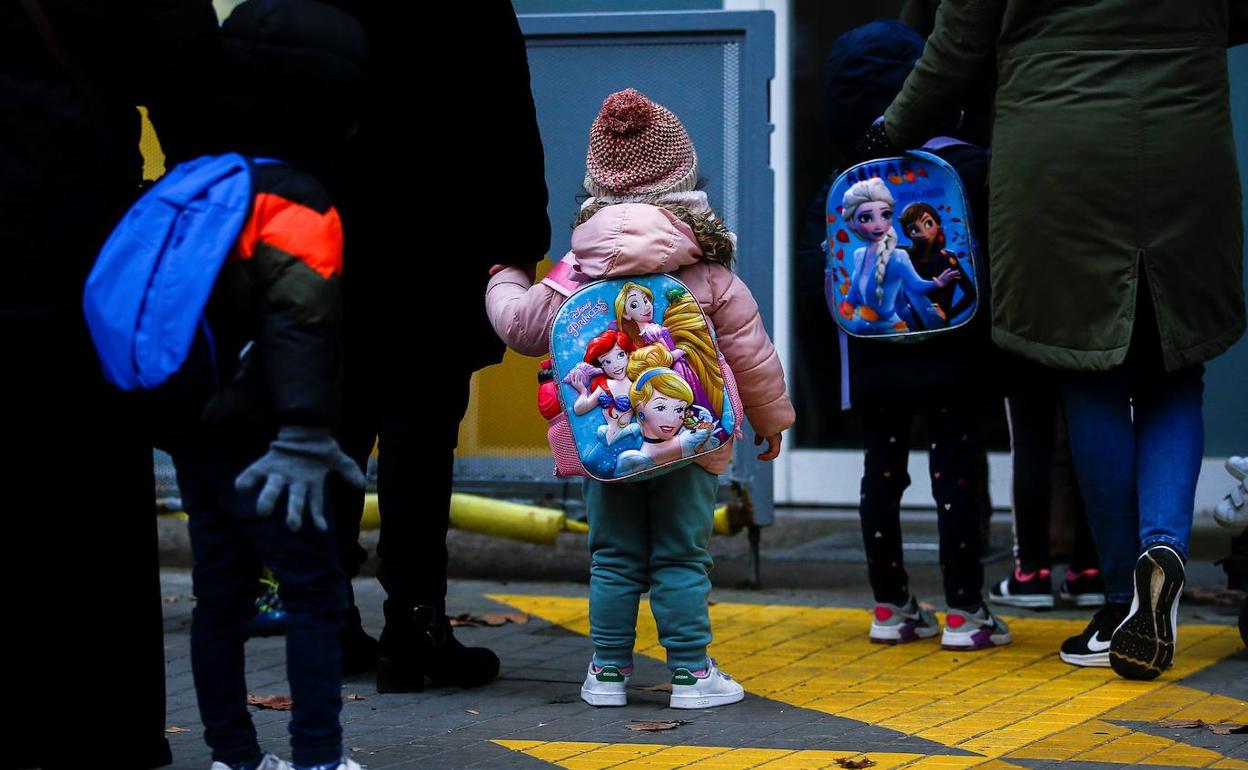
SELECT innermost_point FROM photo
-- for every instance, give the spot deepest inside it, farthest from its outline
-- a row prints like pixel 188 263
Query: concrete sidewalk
pixel 817 692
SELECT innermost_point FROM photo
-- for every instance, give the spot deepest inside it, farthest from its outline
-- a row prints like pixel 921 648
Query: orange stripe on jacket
pixel 312 237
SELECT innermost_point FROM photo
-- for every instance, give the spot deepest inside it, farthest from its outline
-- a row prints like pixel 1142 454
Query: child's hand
pixel 948 277
pixel 773 446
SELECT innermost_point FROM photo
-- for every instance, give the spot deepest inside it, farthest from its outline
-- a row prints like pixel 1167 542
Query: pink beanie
pixel 638 147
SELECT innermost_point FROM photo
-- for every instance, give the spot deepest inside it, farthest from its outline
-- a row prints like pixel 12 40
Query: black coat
pixel 68 167
pixel 446 178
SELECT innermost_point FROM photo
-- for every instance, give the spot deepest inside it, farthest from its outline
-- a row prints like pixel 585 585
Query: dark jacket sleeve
pixel 516 151
pixel 297 262
pixel 959 53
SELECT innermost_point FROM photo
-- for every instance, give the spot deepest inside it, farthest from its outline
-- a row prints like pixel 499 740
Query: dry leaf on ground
pixel 274 702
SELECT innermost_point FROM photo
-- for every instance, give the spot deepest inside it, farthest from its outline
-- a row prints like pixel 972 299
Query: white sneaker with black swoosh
pixel 1091 648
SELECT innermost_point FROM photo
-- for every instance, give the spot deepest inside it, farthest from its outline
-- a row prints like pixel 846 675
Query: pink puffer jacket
pixel 638 239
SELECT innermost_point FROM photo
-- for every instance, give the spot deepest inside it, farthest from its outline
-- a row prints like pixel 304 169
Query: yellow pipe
pixel 527 523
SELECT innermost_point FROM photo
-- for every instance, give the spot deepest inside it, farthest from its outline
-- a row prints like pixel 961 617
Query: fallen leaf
pixel 489 619
pixel 1228 728
pixel 1186 724
pixel 654 727
pixel 855 762
pixel 710 602
pixel 356 696
pixel 474 711
pixel 355 749
pixel 175 729
pixel 662 687
pixel 273 702
pixel 170 599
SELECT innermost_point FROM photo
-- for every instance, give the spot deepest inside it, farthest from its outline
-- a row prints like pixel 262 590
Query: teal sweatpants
pixel 651 535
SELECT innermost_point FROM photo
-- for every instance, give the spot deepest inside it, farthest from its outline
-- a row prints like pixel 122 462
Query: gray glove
pixel 297 463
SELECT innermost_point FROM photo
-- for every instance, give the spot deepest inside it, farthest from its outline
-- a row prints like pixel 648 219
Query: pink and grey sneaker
pixel 977 630
pixel 898 624
pixel 1085 588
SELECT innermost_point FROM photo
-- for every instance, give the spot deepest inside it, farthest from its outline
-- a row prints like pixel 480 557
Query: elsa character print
pixel 880 268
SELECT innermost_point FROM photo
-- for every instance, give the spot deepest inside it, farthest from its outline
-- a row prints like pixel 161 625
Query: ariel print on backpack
pixel 901 260
pixel 639 376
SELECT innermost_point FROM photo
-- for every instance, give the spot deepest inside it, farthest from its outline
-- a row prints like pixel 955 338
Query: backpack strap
pixel 938 143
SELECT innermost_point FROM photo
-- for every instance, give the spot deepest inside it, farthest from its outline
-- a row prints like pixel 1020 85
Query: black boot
pixel 359 650
pixel 421 644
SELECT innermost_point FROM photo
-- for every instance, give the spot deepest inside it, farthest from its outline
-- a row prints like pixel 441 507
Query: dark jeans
pixel 230 543
pixel 955 458
pixel 1034 416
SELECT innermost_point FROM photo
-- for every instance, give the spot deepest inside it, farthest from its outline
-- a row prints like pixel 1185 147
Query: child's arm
pixel 293 241
pixel 520 311
pixel 749 351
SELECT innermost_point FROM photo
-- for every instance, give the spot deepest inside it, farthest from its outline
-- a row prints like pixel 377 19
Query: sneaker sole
pixel 1091 660
pixel 705 701
pixel 603 699
pixel 1085 600
pixel 899 634
pixel 1037 602
pixel 1143 644
pixel 968 641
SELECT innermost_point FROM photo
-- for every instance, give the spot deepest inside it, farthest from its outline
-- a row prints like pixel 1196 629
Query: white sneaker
pixel 267 762
pixel 974 630
pixel 1232 512
pixel 605 686
pixel 713 688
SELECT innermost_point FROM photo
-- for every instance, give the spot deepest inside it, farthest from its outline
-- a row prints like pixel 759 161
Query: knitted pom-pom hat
pixel 638 147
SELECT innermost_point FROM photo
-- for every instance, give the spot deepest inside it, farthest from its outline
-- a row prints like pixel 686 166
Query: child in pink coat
pixel 646 217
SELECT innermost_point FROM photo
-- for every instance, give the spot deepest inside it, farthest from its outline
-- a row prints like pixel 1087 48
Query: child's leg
pixel 682 516
pixel 619 548
pixel 955 439
pixel 886 436
pixel 1033 427
pixel 225 574
pixel 314 592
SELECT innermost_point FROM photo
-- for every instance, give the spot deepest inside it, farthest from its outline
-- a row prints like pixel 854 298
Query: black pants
pixel 83 597
pixel 955 457
pixel 1034 416
pixel 415 460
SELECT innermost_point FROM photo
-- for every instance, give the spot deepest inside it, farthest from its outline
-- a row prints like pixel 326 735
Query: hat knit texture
pixel 638 147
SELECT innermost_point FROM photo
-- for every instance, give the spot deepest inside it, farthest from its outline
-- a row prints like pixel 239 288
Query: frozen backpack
pixel 642 386
pixel 901 253
pixel 145 298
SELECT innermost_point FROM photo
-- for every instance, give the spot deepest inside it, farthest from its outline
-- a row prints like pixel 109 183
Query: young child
pixel 646 217
pixel 260 439
pixel 943 379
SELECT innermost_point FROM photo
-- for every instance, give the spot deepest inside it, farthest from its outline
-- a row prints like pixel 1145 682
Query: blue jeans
pixel 1137 439
pixel 230 542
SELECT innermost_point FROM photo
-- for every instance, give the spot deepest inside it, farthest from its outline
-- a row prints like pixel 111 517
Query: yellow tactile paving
pixel 1017 702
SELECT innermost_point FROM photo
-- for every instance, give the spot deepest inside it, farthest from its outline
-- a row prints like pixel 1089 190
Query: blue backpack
pixel 901 253
pixel 145 297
